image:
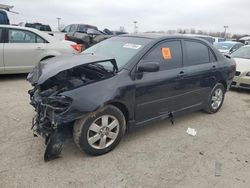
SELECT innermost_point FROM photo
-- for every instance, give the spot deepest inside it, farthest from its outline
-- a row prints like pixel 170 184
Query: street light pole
pixel 135 27
pixel 58 23
pixel 225 27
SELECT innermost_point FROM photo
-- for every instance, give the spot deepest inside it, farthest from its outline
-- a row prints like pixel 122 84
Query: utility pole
pixel 58 23
pixel 135 27
pixel 225 27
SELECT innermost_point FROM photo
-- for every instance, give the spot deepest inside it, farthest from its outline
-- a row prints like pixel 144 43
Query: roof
pixel 197 35
pixel 157 35
pixel 42 34
pixel 162 36
pixel 17 27
pixel 245 38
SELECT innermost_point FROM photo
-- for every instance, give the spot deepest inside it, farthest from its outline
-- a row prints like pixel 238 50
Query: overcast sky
pixel 209 15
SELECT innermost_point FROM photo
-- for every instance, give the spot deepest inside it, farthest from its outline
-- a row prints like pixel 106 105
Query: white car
pixel 242 76
pixel 22 48
pixel 228 47
pixel 218 39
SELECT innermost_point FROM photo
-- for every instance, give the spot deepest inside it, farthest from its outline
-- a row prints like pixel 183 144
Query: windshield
pixel 122 49
pixel 243 52
pixel 223 45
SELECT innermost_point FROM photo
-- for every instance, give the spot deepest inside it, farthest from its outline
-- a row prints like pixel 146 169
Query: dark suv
pixel 125 82
pixel 4 18
pixel 84 34
pixel 38 26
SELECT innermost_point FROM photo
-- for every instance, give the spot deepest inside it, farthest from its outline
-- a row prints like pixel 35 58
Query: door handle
pixel 214 68
pixel 39 48
pixel 181 75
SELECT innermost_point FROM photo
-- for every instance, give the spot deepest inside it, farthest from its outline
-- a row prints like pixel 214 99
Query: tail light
pixel 77 47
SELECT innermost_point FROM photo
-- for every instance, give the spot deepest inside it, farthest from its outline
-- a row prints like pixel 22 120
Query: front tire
pixel 216 99
pixel 101 131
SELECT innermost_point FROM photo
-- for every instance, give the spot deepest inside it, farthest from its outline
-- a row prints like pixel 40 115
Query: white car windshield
pixel 223 45
pixel 242 53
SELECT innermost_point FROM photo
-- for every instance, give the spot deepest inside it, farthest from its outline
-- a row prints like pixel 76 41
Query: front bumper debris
pixel 45 125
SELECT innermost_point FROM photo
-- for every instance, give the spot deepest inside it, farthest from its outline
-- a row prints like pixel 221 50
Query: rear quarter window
pixel 196 53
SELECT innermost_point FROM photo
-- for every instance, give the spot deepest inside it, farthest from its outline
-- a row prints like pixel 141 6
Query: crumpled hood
pixel 242 65
pixel 51 67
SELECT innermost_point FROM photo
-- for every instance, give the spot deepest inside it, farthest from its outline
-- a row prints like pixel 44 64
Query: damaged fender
pixel 66 89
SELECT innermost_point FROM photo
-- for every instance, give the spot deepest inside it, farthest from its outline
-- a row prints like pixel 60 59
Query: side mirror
pixel 149 67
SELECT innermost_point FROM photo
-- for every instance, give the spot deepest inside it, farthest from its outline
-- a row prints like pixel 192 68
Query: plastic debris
pixel 191 131
pixel 217 168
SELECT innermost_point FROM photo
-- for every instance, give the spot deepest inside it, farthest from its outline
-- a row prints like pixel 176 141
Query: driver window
pixel 19 36
pixel 168 54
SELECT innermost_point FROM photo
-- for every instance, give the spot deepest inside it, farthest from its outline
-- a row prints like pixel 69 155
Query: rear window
pixel 197 53
pixel 84 28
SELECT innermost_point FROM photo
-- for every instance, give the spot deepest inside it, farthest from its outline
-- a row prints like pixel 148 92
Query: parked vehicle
pixel 114 85
pixel 228 47
pixel 4 18
pixel 245 40
pixel 21 48
pixel 218 39
pixel 86 35
pixel 242 75
pixel 39 26
pixel 3 15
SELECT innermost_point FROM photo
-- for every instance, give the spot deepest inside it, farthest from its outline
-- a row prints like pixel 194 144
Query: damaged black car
pixel 122 83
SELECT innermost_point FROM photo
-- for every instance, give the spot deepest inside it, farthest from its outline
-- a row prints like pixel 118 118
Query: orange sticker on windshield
pixel 166 53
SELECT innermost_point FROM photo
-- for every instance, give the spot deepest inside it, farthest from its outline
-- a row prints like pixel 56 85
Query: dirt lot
pixel 160 155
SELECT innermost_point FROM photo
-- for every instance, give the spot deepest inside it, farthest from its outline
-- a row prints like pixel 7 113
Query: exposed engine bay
pixel 50 105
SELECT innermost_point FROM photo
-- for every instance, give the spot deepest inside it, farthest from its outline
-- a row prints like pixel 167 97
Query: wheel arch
pixel 224 83
pixel 47 57
pixel 123 109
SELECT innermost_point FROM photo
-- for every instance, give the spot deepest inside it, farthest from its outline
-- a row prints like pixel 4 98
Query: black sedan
pixel 125 82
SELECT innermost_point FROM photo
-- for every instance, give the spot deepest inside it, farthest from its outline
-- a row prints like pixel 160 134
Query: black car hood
pixel 51 67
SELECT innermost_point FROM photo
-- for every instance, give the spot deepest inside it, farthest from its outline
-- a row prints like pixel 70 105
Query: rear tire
pixel 216 99
pixel 101 131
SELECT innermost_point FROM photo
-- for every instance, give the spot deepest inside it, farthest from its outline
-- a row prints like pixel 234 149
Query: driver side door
pixel 158 93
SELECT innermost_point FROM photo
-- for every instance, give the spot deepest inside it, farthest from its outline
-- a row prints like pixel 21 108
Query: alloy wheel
pixel 103 132
pixel 217 98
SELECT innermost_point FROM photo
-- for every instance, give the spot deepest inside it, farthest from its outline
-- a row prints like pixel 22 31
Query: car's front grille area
pixel 237 73
pixel 245 85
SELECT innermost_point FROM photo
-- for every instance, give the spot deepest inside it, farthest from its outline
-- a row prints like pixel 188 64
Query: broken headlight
pixel 58 103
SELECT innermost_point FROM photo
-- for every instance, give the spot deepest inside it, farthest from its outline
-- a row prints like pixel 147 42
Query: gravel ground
pixel 160 155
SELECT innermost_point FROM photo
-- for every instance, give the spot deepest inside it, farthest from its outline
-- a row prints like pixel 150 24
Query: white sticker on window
pixel 132 46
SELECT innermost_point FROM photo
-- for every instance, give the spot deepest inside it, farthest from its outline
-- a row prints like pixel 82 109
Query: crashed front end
pixel 55 112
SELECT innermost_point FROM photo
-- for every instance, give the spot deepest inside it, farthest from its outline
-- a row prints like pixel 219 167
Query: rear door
pixel 23 50
pixel 1 51
pixel 200 70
